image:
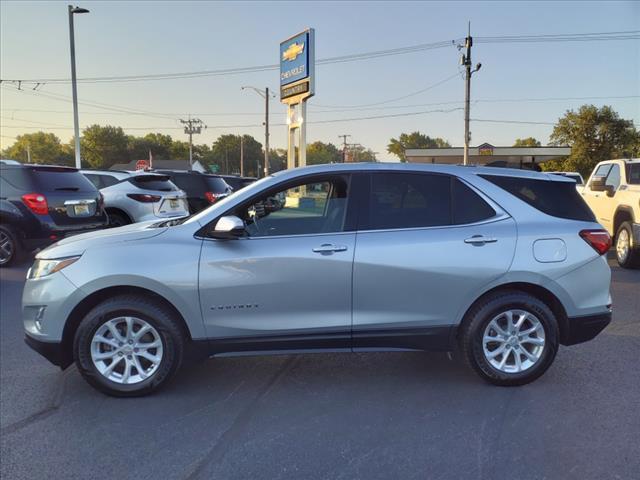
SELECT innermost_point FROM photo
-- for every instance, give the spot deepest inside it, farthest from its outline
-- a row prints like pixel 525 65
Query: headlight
pixel 42 267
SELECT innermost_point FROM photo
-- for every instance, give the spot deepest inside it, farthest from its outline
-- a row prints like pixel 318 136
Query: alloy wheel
pixel 513 341
pixel 126 350
pixel 622 245
pixel 6 248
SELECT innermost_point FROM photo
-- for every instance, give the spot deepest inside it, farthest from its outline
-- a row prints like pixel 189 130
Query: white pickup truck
pixel 613 194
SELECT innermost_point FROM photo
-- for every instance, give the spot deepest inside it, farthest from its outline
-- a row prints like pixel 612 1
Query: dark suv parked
pixel 42 204
pixel 202 189
pixel 237 182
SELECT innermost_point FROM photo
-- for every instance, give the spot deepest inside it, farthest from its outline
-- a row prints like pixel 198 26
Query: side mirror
pixel 598 184
pixel 228 227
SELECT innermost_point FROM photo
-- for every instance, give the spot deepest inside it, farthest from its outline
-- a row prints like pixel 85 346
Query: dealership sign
pixel 486 149
pixel 297 58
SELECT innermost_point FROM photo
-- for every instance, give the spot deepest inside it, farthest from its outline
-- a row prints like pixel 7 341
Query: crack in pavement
pixel 223 444
pixel 45 412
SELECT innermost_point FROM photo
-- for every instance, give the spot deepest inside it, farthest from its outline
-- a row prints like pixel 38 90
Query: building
pixel 162 165
pixel 486 154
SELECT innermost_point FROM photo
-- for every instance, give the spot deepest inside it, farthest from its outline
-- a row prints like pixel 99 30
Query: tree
pixel 414 140
pixel 527 142
pixel 43 147
pixel 101 147
pixel 594 134
pixel 320 152
pixel 226 154
pixel 277 159
pixel 158 144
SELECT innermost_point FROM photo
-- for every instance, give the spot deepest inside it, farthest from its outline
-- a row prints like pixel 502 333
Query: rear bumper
pixel 52 236
pixel 52 351
pixel 585 328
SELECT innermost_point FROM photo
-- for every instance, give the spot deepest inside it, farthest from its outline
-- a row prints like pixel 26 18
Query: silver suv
pixel 131 197
pixel 504 264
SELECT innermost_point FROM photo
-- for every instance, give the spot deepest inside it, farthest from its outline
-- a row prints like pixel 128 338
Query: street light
pixel 74 87
pixel 264 94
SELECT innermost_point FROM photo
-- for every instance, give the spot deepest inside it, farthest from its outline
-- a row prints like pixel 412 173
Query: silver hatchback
pixel 504 265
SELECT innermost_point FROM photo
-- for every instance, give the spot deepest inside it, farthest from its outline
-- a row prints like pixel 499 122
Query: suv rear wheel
pixel 9 246
pixel 510 338
pixel 626 254
pixel 128 346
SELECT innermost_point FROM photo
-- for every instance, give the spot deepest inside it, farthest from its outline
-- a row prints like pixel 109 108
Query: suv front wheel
pixel 128 346
pixel 510 338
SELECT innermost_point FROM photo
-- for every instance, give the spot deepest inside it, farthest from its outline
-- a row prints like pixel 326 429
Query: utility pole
pixel 74 87
pixel 266 132
pixel 28 153
pixel 344 146
pixel 241 156
pixel 192 126
pixel 265 94
pixel 466 61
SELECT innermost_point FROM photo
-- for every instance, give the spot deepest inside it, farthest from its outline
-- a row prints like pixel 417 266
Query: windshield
pixel 249 190
pixel 633 173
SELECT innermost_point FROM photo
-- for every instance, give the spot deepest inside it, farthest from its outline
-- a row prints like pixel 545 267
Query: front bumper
pixel 52 351
pixel 585 328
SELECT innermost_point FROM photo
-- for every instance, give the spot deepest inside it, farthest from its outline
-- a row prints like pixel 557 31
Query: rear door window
pixel 555 198
pixel 633 173
pixel 95 179
pixel 468 206
pixel 402 200
pixel 108 180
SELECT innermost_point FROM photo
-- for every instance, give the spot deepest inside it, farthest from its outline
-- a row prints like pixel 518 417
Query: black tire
pixel 117 219
pixel 144 308
pixel 10 245
pixel 481 314
pixel 632 259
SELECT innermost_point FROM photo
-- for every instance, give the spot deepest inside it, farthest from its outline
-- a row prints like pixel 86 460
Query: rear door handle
pixel 480 240
pixel 330 248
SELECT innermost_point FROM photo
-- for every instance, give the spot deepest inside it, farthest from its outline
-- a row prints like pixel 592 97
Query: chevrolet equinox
pixel 503 264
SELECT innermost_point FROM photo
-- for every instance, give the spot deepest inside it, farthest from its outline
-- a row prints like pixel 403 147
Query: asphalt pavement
pixel 329 416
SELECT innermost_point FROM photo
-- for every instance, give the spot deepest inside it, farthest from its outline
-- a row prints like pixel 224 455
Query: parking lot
pixel 375 415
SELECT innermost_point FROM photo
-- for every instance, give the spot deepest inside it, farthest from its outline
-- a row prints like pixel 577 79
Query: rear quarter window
pixel 558 199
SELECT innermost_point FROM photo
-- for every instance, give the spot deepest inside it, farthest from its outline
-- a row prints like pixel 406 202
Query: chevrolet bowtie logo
pixel 293 51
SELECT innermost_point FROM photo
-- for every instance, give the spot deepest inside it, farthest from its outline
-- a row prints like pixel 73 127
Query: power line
pixel 238 70
pixel 393 99
pixel 545 38
pixel 515 122
pixel 337 110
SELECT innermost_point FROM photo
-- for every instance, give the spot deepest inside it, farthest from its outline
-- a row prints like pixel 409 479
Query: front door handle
pixel 330 248
pixel 480 240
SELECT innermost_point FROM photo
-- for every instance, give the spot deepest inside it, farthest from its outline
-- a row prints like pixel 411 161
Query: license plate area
pixel 80 208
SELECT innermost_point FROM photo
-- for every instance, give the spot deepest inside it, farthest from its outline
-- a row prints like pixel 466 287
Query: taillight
pixel 144 197
pixel 599 240
pixel 36 202
pixel 212 197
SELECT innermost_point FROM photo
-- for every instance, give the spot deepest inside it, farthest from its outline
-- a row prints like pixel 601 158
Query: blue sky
pixel 119 38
